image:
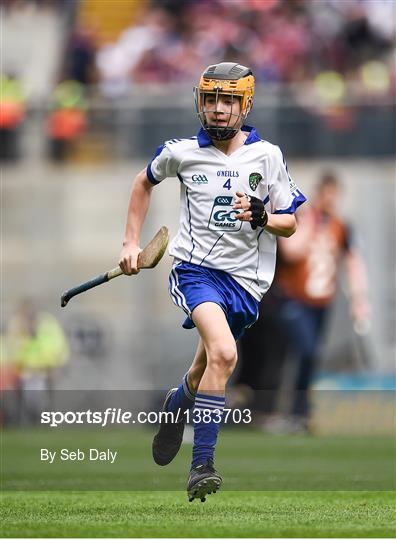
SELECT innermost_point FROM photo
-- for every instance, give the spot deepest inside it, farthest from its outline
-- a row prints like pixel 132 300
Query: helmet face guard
pixel 226 79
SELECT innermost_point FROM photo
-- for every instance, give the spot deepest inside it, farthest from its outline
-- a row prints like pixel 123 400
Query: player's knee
pixel 223 358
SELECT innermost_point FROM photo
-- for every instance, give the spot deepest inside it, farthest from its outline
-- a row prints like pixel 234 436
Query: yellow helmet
pixel 226 78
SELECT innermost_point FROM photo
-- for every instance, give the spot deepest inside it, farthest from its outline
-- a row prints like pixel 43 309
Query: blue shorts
pixel 191 285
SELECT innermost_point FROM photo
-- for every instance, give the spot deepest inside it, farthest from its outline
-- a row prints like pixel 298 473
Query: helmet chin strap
pixel 221 134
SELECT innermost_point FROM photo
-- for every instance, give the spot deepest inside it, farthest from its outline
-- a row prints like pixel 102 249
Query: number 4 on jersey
pixel 227 184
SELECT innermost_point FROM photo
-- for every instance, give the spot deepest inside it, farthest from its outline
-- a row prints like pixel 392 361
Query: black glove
pixel 259 213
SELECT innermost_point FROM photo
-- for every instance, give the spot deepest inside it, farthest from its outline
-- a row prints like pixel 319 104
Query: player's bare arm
pixel 137 209
pixel 297 249
pixel 357 286
pixel 278 224
pixel 281 224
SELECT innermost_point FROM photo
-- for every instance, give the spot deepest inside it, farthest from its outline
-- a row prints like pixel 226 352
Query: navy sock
pixel 183 398
pixel 207 415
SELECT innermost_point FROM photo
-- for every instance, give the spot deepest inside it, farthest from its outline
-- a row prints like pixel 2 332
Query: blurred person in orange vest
pixel 12 114
pixel 293 317
pixel 67 121
pixel 37 346
pixel 306 282
pixel 8 385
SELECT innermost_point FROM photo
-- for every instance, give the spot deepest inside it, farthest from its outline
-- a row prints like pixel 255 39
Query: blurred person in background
pixel 12 114
pixel 140 45
pixel 67 120
pixel 37 346
pixel 80 56
pixel 259 377
pixel 302 294
pixel 8 385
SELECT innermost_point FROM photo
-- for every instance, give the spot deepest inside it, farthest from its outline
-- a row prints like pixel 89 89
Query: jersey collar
pixel 205 140
pixel 253 135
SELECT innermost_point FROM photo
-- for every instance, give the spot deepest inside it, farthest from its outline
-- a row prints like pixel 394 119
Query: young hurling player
pixel 236 197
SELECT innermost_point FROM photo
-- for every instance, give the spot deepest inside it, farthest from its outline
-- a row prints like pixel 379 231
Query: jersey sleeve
pixel 163 165
pixel 284 195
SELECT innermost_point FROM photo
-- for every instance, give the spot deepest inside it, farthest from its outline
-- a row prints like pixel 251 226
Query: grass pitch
pixel 227 514
pixel 288 487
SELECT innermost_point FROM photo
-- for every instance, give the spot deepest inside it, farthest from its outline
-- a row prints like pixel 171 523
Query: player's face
pixel 328 198
pixel 222 110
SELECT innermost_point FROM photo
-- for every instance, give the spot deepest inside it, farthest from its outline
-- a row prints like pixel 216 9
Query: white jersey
pixel 209 233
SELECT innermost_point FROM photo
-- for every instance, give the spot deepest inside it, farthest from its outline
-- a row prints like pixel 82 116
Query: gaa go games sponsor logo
pixel 199 179
pixel 223 216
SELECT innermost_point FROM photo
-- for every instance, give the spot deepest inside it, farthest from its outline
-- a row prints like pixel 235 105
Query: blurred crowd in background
pixel 324 52
pixel 169 41
pixel 281 40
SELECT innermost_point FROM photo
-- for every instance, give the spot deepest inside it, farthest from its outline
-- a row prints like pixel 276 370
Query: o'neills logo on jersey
pixel 228 174
pixel 199 179
pixel 254 180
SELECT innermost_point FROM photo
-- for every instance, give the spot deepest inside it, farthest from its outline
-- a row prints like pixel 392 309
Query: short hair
pixel 328 178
